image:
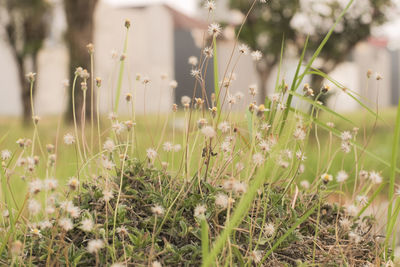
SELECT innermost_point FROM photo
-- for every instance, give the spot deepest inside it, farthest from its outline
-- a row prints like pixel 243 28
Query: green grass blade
pixel 204 238
pixel 278 76
pixel 293 87
pixel 393 166
pixel 347 91
pixel 239 212
pixel 324 108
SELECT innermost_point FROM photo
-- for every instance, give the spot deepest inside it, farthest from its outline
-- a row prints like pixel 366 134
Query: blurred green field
pixel 149 129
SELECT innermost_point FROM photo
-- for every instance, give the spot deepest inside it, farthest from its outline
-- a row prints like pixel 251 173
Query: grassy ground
pixel 149 132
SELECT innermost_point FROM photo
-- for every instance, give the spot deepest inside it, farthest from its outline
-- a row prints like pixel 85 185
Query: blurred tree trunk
pixel 27 29
pixel 80 32
pixel 263 77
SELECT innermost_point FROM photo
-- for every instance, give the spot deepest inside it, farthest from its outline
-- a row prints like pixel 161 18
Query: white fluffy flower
pixel 107 164
pixel 269 229
pixel 326 177
pixel 375 177
pixel 95 245
pixel 73 183
pixel 199 211
pixel 222 200
pixel 305 184
pixel 243 49
pixel 151 153
pixel 5 154
pixel 258 159
pixel 168 147
pixel 209 5
pixel 345 223
pixel 193 60
pixel 351 210
pixel 208 131
pixel 34 206
pixel 69 139
pixel 87 225
pixel 256 255
pixel 109 145
pixel 214 29
pixel 342 176
pixel 299 134
pixel 66 224
pixel 177 147
pixel 173 84
pixel 50 184
pixel 157 210
pixel 107 194
pixel 346 136
pixel 35 186
pixel 224 126
pixel 256 55
pixel 239 187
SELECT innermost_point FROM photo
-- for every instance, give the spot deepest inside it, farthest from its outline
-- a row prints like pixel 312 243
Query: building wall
pixel 150 52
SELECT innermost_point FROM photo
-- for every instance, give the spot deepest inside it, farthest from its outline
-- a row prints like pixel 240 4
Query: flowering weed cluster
pixel 229 187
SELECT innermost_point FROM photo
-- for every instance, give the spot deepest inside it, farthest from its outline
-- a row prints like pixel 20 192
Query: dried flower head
pixel 209 5
pixel 157 210
pixel 214 29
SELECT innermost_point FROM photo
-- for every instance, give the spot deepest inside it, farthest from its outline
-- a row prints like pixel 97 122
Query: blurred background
pixel 49 37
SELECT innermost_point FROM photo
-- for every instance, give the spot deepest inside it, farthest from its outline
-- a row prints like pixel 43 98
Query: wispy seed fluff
pixel 157 210
pixel 66 224
pixel 199 211
pixel 342 176
pixel 208 131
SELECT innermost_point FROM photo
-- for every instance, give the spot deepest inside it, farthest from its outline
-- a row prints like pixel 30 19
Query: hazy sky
pixel 188 6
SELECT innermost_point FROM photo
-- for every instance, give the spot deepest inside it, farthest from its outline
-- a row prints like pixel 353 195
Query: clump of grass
pixel 222 189
pixel 146 231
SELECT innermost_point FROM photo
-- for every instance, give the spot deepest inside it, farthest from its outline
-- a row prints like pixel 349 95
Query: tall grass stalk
pixel 392 217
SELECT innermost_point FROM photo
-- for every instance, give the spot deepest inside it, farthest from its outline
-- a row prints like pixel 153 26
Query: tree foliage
pixel 294 20
pixel 27 27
